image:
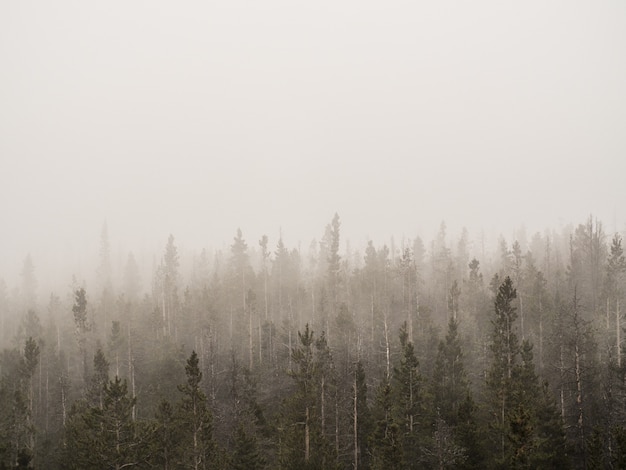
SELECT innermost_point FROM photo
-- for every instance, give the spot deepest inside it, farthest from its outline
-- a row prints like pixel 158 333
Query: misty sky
pixel 196 118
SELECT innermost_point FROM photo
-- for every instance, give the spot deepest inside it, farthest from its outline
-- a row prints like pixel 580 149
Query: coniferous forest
pixel 411 354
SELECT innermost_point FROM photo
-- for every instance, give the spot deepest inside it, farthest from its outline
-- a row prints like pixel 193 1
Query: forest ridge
pixel 420 356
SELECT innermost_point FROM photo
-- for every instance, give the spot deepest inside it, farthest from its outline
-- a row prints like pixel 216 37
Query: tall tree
pixel 197 433
pixel 385 441
pixel 334 266
pixel 79 309
pixel 106 437
pixel 450 384
pixel 410 410
pixel 504 348
pixel 616 268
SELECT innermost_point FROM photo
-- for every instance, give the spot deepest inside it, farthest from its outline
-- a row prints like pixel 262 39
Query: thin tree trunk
pixel 306 437
pixel 540 335
pixel 562 377
pixel 323 404
pixel 521 314
pixel 618 329
pixel 355 425
pixel 260 340
pixel 131 371
pixel 387 347
pixel 336 426
pixel 372 312
pixel 250 347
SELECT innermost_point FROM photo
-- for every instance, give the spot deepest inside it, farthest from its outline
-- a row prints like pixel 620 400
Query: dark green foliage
pixel 551 449
pixel 197 444
pixel 469 436
pixel 595 452
pixel 450 386
pixel 106 437
pixel 246 454
pixel 385 444
pixel 409 406
pixel 165 445
pixel 618 435
pixel 305 410
pixel 528 431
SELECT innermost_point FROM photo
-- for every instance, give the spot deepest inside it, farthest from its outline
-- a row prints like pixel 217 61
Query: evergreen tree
pixel 410 412
pixel 198 448
pixel 246 454
pixel 165 444
pixel 106 437
pixel 361 418
pixel 307 447
pixel 469 436
pixel 385 442
pixel 79 309
pixel 450 385
pixel 505 349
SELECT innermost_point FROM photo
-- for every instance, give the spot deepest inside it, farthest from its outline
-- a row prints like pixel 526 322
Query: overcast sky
pixel 196 118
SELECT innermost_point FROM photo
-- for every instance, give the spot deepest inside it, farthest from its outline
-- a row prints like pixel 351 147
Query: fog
pixel 197 118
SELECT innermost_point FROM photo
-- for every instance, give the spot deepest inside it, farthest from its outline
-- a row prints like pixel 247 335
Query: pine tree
pixel 246 454
pixel 197 442
pixel 505 349
pixel 361 417
pixel 165 444
pixel 410 414
pixel 469 436
pixel 104 437
pixel 306 445
pixel 384 443
pixel 80 319
pixel 450 385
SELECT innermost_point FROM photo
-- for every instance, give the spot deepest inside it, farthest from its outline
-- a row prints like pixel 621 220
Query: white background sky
pixel 196 118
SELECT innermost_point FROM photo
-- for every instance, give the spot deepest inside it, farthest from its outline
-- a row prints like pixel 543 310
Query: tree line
pixel 398 357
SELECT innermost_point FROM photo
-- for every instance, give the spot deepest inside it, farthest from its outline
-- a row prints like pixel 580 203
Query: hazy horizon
pixel 196 119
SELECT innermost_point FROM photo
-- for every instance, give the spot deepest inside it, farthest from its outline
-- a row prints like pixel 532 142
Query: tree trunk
pixel 355 423
pixel 306 437
pixel 323 404
pixel 618 329
pixel 131 371
pixel 387 347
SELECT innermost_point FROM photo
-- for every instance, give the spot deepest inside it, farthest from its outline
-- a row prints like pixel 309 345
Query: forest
pixel 417 354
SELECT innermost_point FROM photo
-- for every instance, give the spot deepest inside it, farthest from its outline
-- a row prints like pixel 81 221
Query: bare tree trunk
pixel 387 347
pixel 260 341
pixel 131 371
pixel 540 335
pixel 562 377
pixel 579 396
pixel 323 404
pixel 372 312
pixel 336 426
pixel 618 329
pixel 521 314
pixel 307 448
pixel 165 318
pixel 355 427
pixel 63 402
pixel 250 347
